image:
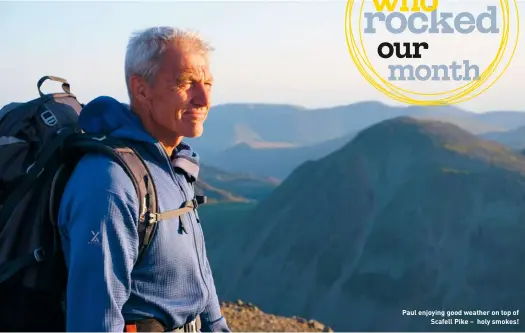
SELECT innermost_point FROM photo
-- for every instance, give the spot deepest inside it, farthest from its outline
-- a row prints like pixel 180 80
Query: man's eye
pixel 186 84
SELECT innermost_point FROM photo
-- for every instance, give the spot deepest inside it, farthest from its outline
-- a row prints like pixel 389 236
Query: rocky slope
pixel 411 215
pixel 243 317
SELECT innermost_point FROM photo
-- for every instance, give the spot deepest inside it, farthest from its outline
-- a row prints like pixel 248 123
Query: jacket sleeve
pixel 97 220
pixel 212 319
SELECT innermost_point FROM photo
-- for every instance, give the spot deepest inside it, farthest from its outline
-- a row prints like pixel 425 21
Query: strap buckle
pixel 39 254
pixel 191 326
pixel 149 218
pixel 199 200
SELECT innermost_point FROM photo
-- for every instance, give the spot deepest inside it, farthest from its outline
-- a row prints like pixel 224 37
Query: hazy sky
pixel 266 51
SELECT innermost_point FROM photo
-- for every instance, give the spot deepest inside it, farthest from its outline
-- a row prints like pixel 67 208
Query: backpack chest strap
pixel 187 207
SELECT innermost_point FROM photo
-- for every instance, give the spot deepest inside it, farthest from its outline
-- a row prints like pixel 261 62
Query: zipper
pixel 167 159
pixel 200 260
pixel 185 196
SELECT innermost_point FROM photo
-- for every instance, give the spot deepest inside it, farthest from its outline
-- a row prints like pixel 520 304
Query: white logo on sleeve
pixel 94 239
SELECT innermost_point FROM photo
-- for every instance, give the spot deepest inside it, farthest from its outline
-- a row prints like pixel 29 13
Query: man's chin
pixel 194 132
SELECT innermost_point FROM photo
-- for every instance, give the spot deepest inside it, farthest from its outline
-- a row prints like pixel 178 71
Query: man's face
pixel 179 98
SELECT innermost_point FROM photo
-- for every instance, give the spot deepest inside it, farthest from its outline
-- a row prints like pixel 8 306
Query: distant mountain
pixel 231 124
pixel 513 139
pixel 273 162
pixel 410 215
pixel 222 186
pixel 503 119
pixel 277 125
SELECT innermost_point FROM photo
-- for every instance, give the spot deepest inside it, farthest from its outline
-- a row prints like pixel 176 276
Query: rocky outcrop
pixel 246 317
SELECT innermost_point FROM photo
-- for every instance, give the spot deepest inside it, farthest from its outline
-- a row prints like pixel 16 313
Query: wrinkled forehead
pixel 178 61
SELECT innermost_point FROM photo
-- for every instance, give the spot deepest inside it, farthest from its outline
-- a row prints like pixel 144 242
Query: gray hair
pixel 146 47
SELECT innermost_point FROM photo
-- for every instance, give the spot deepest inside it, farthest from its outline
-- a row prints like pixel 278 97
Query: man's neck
pixel 167 140
pixel 169 148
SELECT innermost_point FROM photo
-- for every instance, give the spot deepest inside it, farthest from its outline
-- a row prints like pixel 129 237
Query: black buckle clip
pixel 199 200
pixel 39 254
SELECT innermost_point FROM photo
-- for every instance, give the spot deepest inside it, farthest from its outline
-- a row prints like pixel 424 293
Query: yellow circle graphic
pixel 463 93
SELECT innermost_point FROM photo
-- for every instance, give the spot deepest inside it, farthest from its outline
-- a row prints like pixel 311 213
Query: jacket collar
pixel 185 158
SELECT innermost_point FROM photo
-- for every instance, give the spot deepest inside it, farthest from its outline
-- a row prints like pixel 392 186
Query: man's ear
pixel 140 91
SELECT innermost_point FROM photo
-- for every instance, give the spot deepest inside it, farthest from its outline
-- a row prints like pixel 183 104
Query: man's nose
pixel 201 95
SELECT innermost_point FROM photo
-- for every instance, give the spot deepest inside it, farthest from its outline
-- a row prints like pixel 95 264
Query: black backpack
pixel 40 145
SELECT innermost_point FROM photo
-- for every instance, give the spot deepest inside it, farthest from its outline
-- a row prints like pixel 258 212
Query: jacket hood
pixel 107 116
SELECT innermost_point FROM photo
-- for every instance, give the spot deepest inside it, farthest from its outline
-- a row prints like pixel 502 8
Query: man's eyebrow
pixel 187 73
pixel 192 74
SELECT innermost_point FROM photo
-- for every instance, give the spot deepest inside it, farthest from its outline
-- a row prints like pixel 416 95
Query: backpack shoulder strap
pixel 146 193
pixel 135 167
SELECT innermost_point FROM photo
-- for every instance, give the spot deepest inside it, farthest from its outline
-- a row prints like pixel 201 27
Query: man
pixel 169 82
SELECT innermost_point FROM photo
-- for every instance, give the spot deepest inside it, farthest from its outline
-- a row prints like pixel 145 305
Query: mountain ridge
pixel 273 162
pixel 281 124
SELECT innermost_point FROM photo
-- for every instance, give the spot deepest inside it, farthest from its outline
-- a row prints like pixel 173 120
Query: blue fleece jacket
pixel 98 226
